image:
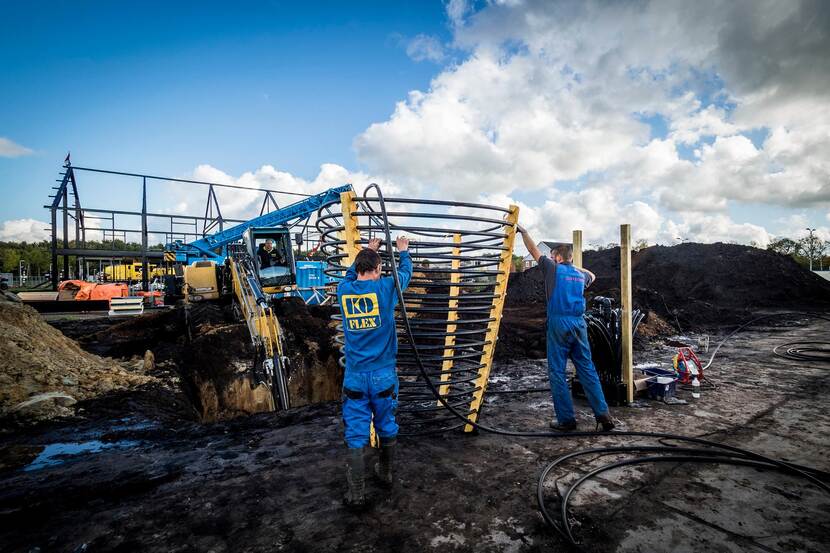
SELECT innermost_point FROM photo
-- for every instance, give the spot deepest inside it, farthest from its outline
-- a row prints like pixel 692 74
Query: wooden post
pixel 349 233
pixel 626 305
pixel 505 263
pixel 452 316
pixel 577 247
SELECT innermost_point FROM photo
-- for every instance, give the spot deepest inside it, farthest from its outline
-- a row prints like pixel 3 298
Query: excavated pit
pixel 213 357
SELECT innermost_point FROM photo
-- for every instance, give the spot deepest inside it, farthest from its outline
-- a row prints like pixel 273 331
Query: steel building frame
pixel 185 228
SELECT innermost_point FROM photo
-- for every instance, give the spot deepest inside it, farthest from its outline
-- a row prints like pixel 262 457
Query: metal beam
pixel 91 252
pixel 155 177
pixel 145 270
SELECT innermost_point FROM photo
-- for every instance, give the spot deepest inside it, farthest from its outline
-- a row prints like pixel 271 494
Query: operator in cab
pixel 269 256
pixel 567 335
pixel 370 384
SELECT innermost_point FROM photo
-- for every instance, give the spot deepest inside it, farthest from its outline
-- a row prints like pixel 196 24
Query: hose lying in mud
pixel 816 352
pixel 705 452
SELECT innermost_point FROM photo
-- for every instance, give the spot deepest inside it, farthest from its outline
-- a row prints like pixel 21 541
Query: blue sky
pixel 162 87
pixel 589 113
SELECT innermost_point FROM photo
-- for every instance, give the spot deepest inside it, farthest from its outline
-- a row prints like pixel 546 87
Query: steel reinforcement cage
pixel 462 255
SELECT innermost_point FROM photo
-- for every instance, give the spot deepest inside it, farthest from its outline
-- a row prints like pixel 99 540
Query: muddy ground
pixel 139 473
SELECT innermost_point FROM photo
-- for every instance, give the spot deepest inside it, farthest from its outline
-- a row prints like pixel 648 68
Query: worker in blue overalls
pixel 370 385
pixel 567 334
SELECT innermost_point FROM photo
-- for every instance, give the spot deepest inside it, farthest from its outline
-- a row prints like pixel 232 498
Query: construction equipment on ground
pixel 252 264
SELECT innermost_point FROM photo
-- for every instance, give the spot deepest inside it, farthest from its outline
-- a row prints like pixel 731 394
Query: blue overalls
pixel 567 336
pixel 370 383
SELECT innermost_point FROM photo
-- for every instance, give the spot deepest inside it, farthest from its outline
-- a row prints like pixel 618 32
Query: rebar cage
pixel 462 255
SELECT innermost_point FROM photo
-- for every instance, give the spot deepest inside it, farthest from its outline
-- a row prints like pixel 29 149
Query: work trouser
pixel 366 395
pixel 567 336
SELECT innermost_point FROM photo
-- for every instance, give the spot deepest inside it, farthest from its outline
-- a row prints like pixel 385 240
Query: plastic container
pixel 662 383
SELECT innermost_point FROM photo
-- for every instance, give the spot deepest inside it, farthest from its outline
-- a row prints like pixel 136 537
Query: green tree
pixel 10 259
pixel 785 246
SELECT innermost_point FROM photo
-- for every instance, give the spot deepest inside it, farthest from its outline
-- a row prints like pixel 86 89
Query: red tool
pixel 687 365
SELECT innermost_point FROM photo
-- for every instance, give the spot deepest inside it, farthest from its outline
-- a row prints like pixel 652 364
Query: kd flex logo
pixel 361 311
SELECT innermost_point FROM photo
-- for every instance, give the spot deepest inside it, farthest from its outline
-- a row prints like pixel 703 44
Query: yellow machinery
pixel 263 326
pixel 201 282
pixel 130 271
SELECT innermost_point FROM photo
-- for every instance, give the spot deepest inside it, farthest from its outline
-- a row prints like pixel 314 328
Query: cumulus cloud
pixel 24 230
pixel 9 148
pixel 554 92
pixel 425 48
pixel 244 204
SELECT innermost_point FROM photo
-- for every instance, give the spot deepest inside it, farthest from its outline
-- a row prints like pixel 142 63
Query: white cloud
pixel 425 48
pixel 24 230
pixel 9 148
pixel 244 204
pixel 555 91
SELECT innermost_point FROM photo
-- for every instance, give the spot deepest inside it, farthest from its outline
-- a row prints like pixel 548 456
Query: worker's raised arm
pixel 591 276
pixel 405 266
pixel 351 273
pixel 529 243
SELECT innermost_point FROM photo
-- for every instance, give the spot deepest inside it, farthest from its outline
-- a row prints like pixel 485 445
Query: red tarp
pixel 94 291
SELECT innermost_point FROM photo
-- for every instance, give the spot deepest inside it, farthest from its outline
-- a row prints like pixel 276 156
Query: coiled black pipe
pixel 706 452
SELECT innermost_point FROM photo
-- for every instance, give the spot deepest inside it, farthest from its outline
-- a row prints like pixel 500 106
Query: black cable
pixel 804 351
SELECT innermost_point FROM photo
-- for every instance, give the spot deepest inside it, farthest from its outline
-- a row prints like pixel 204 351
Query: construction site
pixel 188 397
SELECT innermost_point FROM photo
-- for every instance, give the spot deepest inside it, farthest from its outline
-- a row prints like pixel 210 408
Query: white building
pixel 545 247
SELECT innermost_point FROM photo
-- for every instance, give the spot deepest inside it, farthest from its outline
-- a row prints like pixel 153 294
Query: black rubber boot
pixel 384 467
pixel 569 426
pixel 606 422
pixel 355 476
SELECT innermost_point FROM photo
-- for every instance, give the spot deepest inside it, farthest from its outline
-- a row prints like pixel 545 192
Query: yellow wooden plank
pixel 626 305
pixel 506 262
pixel 577 247
pixel 350 233
pixel 452 316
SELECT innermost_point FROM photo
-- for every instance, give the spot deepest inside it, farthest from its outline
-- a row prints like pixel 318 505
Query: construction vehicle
pixel 231 263
pixel 130 272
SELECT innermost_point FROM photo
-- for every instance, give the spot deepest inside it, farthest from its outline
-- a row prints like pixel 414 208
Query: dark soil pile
pixel 694 285
pixel 314 372
pixel 212 353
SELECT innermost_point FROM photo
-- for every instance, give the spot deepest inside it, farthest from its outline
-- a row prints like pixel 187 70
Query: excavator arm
pixel 263 326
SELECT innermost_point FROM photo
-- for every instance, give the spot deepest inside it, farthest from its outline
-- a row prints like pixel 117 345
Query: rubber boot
pixel 606 422
pixel 569 426
pixel 383 468
pixel 355 469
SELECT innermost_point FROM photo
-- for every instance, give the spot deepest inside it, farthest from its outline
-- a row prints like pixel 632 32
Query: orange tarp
pixel 94 291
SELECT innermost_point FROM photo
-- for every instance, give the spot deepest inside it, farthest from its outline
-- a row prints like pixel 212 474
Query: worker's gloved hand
pixel 374 244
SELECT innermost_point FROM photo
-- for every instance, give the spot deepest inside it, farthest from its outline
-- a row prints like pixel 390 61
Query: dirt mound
pixel 694 285
pixel 43 372
pixel 314 372
pixel 212 353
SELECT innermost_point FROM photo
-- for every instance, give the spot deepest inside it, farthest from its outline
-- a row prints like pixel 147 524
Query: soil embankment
pixel 212 354
pixel 43 373
pixel 681 288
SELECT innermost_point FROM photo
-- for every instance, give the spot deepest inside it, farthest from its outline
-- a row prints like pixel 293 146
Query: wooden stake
pixel 452 317
pixel 577 247
pixel 626 305
pixel 505 262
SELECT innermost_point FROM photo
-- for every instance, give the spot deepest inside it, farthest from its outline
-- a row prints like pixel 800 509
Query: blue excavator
pixel 253 262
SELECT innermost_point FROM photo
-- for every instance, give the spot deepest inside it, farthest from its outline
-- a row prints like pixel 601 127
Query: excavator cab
pixel 271 250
